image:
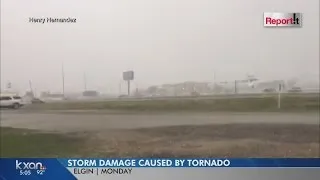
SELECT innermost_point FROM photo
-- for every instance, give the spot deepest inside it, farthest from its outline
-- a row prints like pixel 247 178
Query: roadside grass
pixel 28 143
pixel 237 105
pixel 230 140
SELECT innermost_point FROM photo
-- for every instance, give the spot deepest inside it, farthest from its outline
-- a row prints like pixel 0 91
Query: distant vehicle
pixel 269 90
pixel 123 96
pixel 195 94
pixel 90 93
pixel 37 101
pixel 155 95
pixel 48 97
pixel 295 90
pixel 11 101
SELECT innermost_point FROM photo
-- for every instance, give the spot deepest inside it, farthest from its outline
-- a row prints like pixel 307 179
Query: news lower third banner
pixel 156 168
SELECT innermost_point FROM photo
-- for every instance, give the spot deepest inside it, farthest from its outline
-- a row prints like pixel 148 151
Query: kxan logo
pixel 26 167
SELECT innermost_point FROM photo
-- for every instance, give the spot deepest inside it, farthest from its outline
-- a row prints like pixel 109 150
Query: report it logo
pixel 278 19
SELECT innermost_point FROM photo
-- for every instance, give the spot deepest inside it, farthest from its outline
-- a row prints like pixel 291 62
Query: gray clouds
pixel 163 41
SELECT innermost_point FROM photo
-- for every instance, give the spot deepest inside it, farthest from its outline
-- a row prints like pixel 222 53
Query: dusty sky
pixel 163 41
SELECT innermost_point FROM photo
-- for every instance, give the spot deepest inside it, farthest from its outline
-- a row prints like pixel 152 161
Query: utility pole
pixel 214 80
pixel 235 86
pixel 35 92
pixel 30 85
pixel 9 85
pixel 31 90
pixel 63 80
pixel 128 87
pixel 279 96
pixel 85 81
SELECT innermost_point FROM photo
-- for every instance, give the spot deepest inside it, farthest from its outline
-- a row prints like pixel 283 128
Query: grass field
pixel 231 140
pixel 27 143
pixel 234 104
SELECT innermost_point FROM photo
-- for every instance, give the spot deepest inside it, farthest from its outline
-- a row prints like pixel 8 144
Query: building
pixel 180 89
pixel 47 96
pixel 90 93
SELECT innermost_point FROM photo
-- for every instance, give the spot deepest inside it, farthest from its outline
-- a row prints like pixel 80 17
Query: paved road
pixel 218 96
pixel 90 121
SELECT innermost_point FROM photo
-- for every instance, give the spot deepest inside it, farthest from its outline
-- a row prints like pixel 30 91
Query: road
pixel 218 96
pixel 73 121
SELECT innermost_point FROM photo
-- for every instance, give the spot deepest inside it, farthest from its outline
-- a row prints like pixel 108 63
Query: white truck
pixel 11 101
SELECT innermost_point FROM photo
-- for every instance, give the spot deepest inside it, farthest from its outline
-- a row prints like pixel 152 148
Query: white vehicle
pixel 11 101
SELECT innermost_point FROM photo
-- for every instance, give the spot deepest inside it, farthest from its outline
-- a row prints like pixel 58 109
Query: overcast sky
pixel 163 41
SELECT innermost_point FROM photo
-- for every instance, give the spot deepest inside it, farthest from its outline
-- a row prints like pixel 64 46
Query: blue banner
pixel 51 168
pixel 190 162
pixel 33 168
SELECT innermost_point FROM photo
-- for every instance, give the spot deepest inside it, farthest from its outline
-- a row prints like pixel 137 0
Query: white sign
pixel 278 19
pixel 128 75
